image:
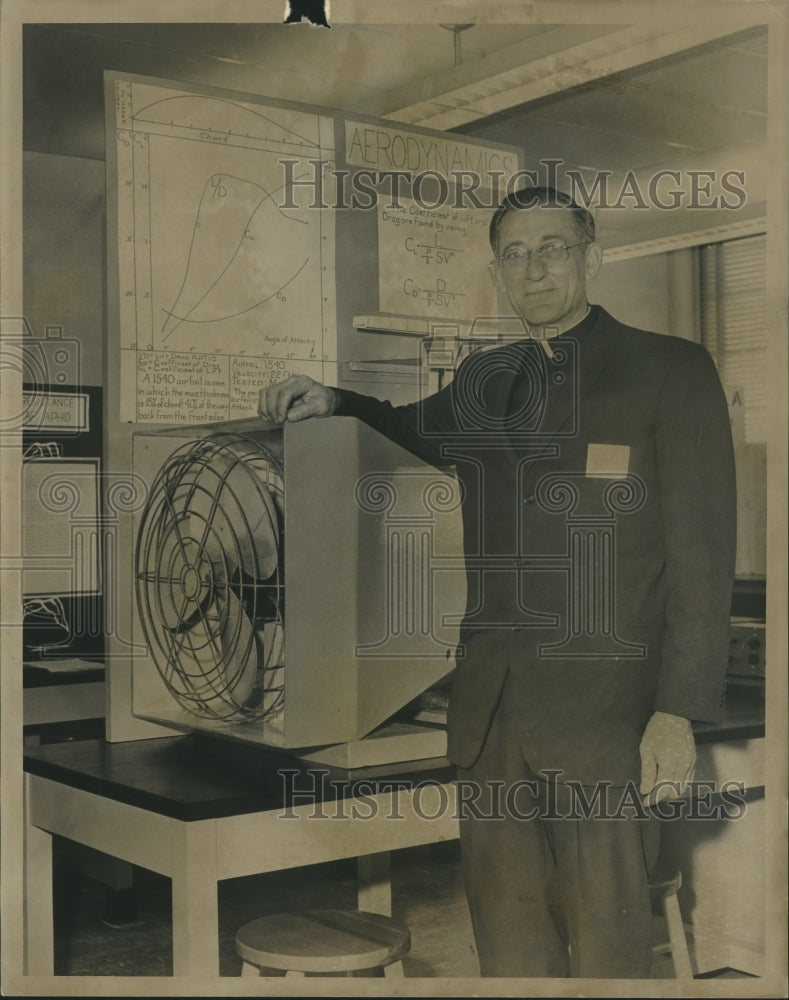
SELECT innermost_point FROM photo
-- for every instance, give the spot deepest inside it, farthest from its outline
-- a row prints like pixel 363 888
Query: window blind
pixel 734 323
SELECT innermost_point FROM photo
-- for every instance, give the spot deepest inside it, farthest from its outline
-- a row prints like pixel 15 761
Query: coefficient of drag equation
pixel 439 295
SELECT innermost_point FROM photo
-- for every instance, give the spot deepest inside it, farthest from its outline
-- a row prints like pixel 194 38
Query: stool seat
pixel 323 941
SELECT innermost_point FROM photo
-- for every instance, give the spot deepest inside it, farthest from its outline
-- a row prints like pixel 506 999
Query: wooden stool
pixel 323 941
pixel 677 945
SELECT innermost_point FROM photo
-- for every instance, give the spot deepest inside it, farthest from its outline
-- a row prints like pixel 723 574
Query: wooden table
pixel 199 811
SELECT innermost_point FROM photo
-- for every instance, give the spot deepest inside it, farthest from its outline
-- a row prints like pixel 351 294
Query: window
pixel 734 323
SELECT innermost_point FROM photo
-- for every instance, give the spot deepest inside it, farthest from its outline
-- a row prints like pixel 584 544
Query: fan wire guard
pixel 210 578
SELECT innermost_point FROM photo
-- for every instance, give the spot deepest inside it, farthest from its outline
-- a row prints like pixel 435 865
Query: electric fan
pixel 210 577
pixel 369 541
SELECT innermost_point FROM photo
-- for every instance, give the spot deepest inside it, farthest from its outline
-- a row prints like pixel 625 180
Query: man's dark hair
pixel 542 197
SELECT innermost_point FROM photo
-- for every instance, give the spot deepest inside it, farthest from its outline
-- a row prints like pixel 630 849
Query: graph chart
pixel 226 281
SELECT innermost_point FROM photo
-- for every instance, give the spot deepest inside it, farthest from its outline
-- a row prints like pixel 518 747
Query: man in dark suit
pixel 598 483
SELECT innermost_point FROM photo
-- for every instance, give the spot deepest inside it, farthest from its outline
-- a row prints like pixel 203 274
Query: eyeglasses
pixel 551 255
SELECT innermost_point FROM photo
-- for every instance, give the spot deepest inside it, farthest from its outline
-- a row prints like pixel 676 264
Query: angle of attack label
pixel 221 289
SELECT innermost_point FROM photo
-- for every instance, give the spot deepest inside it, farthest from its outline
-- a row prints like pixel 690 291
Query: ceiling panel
pixel 595 149
pixel 709 98
pixel 341 68
pixel 721 75
pixel 660 116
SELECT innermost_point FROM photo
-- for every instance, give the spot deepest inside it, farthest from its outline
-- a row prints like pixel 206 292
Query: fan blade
pixel 235 516
pixel 239 652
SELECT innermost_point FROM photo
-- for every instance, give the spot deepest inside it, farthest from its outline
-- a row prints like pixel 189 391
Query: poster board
pixel 216 280
pixel 430 244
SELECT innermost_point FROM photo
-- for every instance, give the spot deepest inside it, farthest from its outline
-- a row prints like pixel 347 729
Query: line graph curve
pixel 235 261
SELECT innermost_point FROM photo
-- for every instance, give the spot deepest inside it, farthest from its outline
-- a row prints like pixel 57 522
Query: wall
pixel 635 291
pixel 63 255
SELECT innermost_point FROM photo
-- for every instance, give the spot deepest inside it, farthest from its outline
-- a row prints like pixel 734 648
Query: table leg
pixel 195 903
pixel 39 935
pixel 375 885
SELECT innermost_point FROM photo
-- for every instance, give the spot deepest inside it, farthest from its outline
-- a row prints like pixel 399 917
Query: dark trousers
pixel 551 894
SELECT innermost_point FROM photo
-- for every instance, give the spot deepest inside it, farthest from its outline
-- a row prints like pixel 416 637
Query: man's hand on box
pixel 296 398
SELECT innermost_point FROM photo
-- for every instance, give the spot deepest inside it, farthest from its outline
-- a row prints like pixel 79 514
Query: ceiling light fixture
pixel 456 29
